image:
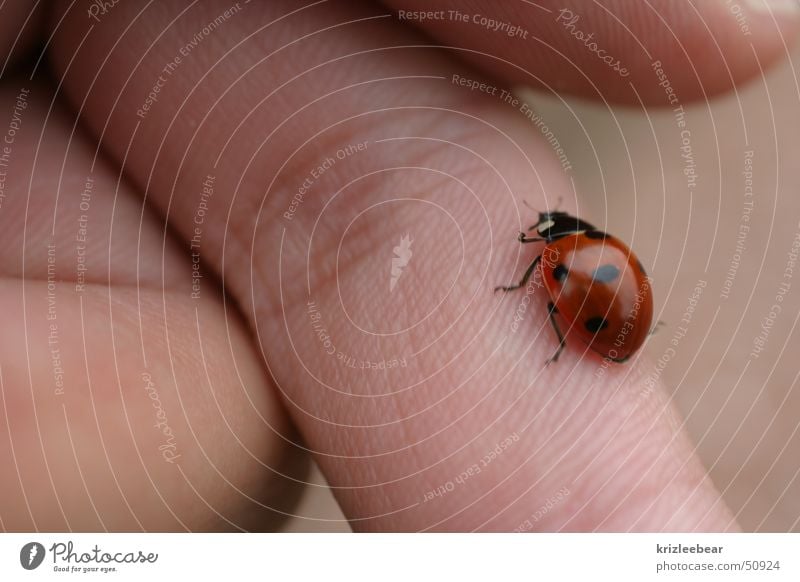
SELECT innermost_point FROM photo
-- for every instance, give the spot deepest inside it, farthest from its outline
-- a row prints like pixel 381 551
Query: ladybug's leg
pixel 525 277
pixel 551 308
pixel 524 239
pixel 658 324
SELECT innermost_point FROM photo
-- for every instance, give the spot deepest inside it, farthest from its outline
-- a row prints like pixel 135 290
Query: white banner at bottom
pixel 400 557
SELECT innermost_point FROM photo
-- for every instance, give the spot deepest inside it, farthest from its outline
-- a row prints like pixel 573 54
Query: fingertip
pixel 607 51
pixel 714 48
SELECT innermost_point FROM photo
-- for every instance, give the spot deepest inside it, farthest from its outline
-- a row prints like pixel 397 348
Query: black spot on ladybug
pixel 605 273
pixel 641 267
pixel 596 234
pixel 595 324
pixel 560 272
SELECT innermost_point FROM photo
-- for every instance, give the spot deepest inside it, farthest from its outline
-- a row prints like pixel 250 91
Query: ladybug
pixel 596 285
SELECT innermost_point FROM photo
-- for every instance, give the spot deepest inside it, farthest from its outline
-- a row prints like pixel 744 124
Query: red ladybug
pixel 595 283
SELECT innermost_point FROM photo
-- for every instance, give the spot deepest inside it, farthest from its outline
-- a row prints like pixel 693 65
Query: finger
pixel 609 50
pixel 124 404
pixel 327 144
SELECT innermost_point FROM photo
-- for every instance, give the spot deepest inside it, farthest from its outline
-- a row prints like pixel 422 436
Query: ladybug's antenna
pixel 538 214
pixel 557 206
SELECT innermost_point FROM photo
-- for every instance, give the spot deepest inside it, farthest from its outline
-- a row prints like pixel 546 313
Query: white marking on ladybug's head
pixel 545 225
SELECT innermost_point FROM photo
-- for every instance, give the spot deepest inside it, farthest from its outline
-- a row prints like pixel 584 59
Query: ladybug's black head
pixel 557 224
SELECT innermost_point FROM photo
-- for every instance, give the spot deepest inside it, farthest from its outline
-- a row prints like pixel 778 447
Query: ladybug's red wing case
pixel 596 284
pixel 600 290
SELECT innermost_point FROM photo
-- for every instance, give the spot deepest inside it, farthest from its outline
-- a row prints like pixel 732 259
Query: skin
pixel 383 440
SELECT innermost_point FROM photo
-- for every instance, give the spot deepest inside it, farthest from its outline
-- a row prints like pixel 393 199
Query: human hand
pixel 323 137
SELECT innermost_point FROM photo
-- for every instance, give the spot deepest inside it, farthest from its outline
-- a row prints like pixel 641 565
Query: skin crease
pixel 381 446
